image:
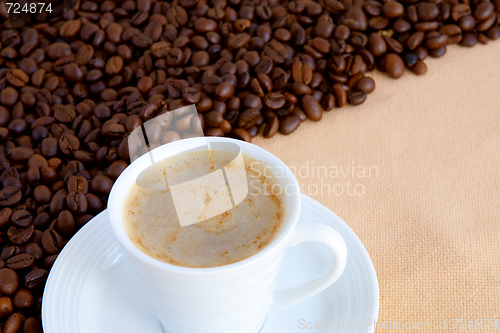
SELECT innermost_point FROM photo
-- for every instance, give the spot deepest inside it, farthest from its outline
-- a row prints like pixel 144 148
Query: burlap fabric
pixel 415 172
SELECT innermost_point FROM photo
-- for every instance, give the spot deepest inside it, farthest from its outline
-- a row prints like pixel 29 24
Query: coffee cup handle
pixel 316 232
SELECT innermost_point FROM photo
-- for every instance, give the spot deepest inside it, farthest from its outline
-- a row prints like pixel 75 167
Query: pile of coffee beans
pixel 71 92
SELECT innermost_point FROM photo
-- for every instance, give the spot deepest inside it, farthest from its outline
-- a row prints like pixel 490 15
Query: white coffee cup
pixel 236 297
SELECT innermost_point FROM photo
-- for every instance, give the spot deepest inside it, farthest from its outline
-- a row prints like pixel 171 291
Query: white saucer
pixel 92 287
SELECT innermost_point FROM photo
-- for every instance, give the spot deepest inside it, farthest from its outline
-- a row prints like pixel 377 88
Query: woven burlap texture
pixel 424 197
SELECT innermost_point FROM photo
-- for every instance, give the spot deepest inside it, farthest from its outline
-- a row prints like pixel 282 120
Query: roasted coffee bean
pixel 22 218
pixel 274 100
pixel 276 51
pixel 469 40
pixel 248 118
pixel 271 128
pixel 392 9
pixel 49 261
pixel 17 77
pixel 34 250
pixel 377 45
pixel 9 252
pixel 5 215
pixel 435 40
pixel 312 108
pixel 394 65
pixel 9 281
pixel 51 241
pixel 410 59
pixel 14 322
pixel 33 325
pixel 483 10
pixel 241 134
pixel 213 119
pixel 65 220
pixel 340 95
pixel 6 307
pixel 224 91
pixel 77 203
pixel 21 154
pixel 415 40
pixel 23 299
pixel 393 45
pixel 453 32
pixel 289 124
pixel 419 68
pixel 36 279
pixel 355 19
pixel 328 102
pixel 10 195
pixel 356 97
pixel 20 236
pixel 366 84
pixel 101 184
pixel 20 261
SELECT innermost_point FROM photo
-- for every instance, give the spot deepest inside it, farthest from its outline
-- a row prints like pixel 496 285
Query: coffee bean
pixel 101 184
pixel 8 96
pixel 415 40
pixel 17 77
pixel 23 298
pixel 36 279
pixel 483 10
pixel 410 59
pixel 5 215
pixel 437 53
pixel 427 11
pixel 274 100
pixel 289 124
pixel 34 250
pixel 6 307
pixel 494 33
pixel 241 134
pixel 8 281
pixel 394 65
pixel 22 218
pixel 366 84
pixel 21 154
pixel 10 196
pixel 469 40
pixel 393 45
pixel 435 40
pixel 213 119
pixel 340 95
pixel 20 261
pixel 355 19
pixel 312 108
pixel 65 220
pixel 356 97
pixel 271 128
pixel 33 325
pixel 453 32
pixel 224 91
pixel 51 241
pixel 248 118
pixel 20 236
pixel 419 68
pixel 14 322
pixel 276 51
pixel 9 252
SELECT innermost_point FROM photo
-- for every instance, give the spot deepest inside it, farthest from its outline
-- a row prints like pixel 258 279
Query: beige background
pixel 430 218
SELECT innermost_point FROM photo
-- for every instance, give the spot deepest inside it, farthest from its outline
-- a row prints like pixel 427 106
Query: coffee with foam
pixel 152 223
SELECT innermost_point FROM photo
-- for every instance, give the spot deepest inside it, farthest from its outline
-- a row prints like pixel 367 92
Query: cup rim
pixel 293 202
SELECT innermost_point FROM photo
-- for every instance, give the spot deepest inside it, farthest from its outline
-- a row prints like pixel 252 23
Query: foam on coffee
pixel 151 222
